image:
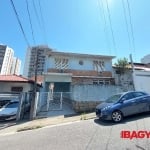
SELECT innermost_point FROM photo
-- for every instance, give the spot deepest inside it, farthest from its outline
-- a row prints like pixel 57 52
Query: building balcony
pixel 81 72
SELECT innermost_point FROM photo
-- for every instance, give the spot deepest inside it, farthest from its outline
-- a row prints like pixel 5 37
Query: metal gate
pixel 47 101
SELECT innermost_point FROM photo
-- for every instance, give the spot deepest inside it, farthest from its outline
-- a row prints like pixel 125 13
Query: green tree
pixel 121 65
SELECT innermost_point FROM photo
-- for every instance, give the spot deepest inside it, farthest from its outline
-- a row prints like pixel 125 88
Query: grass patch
pixel 83 116
pixel 29 128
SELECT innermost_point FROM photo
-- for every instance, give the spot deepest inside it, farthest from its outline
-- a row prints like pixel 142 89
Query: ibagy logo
pixel 126 134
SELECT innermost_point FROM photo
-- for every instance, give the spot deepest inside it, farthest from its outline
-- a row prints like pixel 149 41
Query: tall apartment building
pixel 6 58
pixel 16 65
pixel 8 63
pixel 35 57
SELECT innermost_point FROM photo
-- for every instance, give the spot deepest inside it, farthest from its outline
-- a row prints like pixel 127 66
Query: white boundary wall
pixel 142 80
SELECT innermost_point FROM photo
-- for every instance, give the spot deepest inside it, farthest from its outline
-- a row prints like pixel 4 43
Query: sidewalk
pixel 39 123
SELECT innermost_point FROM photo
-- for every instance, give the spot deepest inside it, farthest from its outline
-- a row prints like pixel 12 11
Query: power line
pixel 21 27
pixel 101 7
pixel 42 27
pixel 36 13
pixel 131 25
pixel 30 21
pixel 127 28
pixel 112 32
pixel 43 23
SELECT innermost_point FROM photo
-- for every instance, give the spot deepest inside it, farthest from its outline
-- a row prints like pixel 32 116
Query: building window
pixel 95 82
pixel 61 63
pixel 80 62
pixel 99 65
pixel 16 89
pixel 101 82
pixel 107 82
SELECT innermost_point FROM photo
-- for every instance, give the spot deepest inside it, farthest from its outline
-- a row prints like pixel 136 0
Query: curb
pixel 42 123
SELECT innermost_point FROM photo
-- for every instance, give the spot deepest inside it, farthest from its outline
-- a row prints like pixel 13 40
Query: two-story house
pixel 64 69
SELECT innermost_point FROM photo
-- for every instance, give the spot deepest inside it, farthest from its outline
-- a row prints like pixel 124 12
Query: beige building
pixel 16 65
pixel 35 57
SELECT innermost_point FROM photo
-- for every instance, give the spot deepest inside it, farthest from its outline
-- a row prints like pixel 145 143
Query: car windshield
pixel 113 98
pixel 12 105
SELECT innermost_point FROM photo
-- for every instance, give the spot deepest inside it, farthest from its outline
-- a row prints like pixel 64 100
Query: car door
pixel 142 101
pixel 129 105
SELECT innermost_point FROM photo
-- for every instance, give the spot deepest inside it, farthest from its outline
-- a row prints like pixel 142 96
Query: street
pixel 82 135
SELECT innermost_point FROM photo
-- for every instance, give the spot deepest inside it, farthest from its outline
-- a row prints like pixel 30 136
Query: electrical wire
pixel 19 22
pixel 101 7
pixel 43 23
pixel 131 25
pixel 112 32
pixel 126 21
pixel 36 13
pixel 30 21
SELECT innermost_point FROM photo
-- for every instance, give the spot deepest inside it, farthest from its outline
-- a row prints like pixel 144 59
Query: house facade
pixel 134 79
pixel 15 84
pixel 65 69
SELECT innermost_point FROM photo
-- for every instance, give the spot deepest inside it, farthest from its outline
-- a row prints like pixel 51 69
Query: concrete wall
pixel 86 97
pixel 73 63
pixel 6 86
pixel 93 92
pixel 142 80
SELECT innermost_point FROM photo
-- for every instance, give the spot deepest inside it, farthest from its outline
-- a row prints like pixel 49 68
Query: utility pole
pixel 35 85
pixel 132 66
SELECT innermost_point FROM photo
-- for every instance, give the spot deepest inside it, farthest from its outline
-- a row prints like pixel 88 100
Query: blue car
pixel 124 104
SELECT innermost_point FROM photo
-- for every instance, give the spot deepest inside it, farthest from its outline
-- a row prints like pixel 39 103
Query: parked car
pixel 9 111
pixel 124 104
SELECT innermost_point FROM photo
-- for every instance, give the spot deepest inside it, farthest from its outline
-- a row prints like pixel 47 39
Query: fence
pixel 93 92
pixel 81 97
pixel 46 101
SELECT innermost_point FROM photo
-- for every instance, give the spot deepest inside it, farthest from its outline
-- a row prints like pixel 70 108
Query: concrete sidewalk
pixel 39 123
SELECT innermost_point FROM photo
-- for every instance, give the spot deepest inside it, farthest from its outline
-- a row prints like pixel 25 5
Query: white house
pixel 64 69
pixel 15 84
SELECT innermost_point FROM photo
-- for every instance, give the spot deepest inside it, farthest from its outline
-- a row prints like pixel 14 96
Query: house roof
pixel 68 54
pixel 138 66
pixel 15 78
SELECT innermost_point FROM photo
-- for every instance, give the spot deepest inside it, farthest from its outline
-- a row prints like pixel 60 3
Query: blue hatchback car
pixel 124 104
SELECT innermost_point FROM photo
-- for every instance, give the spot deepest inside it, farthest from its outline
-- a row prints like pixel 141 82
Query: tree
pixel 121 65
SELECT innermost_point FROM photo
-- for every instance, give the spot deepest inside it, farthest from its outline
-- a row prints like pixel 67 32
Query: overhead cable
pixel 19 22
pixel 112 32
pixel 30 21
pixel 43 23
pixel 126 21
pixel 101 9
pixel 131 25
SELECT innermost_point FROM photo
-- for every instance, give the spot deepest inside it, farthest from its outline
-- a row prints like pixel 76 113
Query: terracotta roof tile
pixel 14 78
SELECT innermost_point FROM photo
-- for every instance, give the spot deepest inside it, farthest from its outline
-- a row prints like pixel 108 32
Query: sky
pixel 101 27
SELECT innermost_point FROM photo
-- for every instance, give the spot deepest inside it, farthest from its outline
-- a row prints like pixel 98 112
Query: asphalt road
pixel 82 135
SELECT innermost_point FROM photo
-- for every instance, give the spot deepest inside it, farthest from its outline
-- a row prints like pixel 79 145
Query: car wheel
pixel 117 116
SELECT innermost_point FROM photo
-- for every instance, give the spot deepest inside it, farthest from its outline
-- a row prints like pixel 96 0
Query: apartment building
pixel 16 66
pixel 8 63
pixel 6 59
pixel 35 58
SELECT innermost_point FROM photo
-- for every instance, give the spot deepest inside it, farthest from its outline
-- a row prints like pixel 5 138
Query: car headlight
pixel 106 108
pixel 13 113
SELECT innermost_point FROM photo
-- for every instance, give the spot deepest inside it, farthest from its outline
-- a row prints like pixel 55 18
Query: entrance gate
pixel 47 101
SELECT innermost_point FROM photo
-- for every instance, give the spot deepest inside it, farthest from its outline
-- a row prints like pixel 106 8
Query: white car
pixel 9 111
